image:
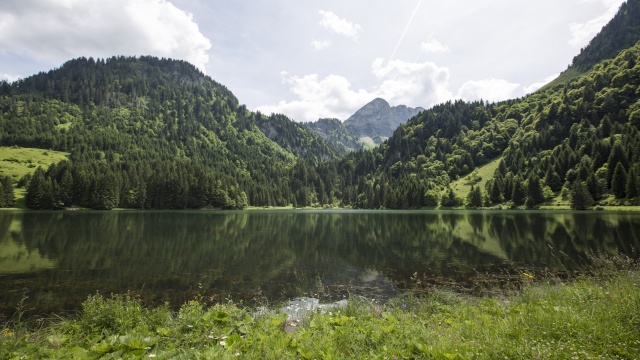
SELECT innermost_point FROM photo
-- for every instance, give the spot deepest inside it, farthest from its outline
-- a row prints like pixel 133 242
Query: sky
pixel 311 59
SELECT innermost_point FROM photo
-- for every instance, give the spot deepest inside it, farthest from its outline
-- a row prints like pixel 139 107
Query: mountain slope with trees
pixel 156 133
pixel 622 32
pixel 336 132
pixel 148 133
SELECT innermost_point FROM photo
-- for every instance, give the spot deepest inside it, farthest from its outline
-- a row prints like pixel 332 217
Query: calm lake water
pixel 56 259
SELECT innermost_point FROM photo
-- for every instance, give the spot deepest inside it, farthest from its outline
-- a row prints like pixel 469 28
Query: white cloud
pixel 487 89
pixel 582 33
pixel 400 82
pixel 10 77
pixel 339 25
pixel 47 29
pixel 411 83
pixel 321 44
pixel 434 46
pixel 535 86
pixel 317 98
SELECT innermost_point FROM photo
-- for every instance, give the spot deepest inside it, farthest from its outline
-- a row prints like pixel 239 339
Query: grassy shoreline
pixel 594 316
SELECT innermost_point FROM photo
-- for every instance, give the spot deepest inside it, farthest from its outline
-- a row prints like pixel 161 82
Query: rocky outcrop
pixel 378 119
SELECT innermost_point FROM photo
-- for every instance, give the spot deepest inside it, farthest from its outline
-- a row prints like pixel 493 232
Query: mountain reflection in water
pixel 58 258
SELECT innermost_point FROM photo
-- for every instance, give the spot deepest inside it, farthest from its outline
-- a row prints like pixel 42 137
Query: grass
pixel 17 162
pixel 482 174
pixel 596 316
pixel 564 78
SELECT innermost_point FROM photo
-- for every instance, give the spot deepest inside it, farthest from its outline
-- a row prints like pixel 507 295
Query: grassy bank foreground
pixel 596 316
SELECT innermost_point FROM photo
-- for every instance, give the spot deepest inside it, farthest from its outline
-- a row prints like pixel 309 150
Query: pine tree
pixel 616 157
pixel 552 180
pixel 519 194
pixel 594 187
pixel 37 196
pixel 619 181
pixel 496 192
pixel 450 199
pixel 66 188
pixel 105 193
pixel 632 188
pixel 474 199
pixel 7 199
pixel 580 197
pixel 535 194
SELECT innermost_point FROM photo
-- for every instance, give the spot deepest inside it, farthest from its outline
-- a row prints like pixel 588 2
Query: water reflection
pixel 61 257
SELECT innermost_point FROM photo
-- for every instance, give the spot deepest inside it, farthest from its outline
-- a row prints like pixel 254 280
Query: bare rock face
pixel 369 126
pixel 378 119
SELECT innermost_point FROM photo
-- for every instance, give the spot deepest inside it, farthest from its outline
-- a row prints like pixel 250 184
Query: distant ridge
pixel 369 126
pixel 378 120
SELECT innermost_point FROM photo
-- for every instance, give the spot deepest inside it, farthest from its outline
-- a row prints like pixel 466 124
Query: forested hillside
pixel 336 132
pixel 148 133
pixel 622 32
pixel 156 133
pixel 581 136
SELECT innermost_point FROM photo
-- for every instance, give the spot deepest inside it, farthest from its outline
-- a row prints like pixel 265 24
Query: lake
pixel 56 259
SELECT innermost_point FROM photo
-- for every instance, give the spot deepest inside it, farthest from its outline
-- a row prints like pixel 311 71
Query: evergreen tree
pixel 619 181
pixel 617 157
pixel 450 199
pixel 594 187
pixel 535 193
pixel 38 195
pixel 508 186
pixel 552 179
pixel 496 192
pixel 105 193
pixel 66 188
pixel 7 198
pixel 633 186
pixel 580 197
pixel 519 193
pixel 474 199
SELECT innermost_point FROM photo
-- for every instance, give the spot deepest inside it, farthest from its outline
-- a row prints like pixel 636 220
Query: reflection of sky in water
pixel 299 308
pixel 275 256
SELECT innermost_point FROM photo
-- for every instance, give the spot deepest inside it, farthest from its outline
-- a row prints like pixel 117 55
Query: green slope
pixel 158 132
pixel 478 177
pixel 622 32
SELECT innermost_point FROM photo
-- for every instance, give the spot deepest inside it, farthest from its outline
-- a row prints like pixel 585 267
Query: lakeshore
pixel 591 316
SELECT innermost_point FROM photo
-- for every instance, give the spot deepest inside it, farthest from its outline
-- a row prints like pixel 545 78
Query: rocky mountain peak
pixel 378 119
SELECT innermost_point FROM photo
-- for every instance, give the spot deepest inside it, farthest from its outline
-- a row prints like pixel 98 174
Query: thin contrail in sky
pixel 405 30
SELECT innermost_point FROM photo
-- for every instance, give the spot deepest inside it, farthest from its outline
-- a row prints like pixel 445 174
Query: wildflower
pixel 152 355
pixel 223 343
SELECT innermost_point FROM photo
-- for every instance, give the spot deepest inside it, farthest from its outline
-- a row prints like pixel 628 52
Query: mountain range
pixel 143 132
pixel 368 127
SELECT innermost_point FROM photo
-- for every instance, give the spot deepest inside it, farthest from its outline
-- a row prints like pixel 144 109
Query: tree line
pixel 153 133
